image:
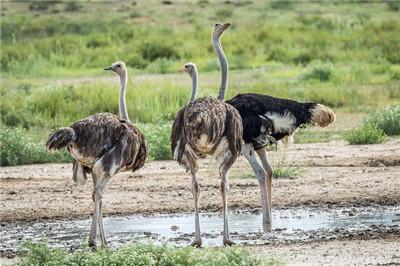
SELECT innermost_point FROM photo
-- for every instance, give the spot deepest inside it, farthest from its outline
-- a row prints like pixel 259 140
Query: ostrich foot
pixel 92 246
pixel 228 242
pixel 196 243
pixel 267 228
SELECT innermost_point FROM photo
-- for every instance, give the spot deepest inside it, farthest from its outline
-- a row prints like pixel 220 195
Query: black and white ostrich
pixel 208 126
pixel 103 145
pixel 267 120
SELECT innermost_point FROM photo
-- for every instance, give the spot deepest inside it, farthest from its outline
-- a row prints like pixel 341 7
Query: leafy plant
pixel 388 120
pixel 366 134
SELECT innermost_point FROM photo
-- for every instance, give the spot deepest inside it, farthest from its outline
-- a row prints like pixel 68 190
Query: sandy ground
pixel 384 251
pixel 331 174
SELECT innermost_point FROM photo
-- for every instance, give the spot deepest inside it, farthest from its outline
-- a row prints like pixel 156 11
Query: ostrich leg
pixel 196 192
pixel 249 153
pixel 97 220
pixel 262 153
pixel 224 191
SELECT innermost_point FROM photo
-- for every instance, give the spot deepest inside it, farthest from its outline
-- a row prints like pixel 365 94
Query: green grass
pixel 141 254
pixel 281 171
pixel 366 134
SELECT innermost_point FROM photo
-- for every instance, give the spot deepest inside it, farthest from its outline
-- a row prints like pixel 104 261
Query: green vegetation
pixel 345 55
pixel 388 120
pixel 281 170
pixel 366 134
pixel 376 126
pixel 17 147
pixel 141 254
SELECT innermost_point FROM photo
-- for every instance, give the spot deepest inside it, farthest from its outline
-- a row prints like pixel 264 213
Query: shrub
pixel 366 134
pixel 17 148
pixel 158 49
pixel 388 120
pixel 318 71
pixel 141 254
pixel 224 13
pixel 158 137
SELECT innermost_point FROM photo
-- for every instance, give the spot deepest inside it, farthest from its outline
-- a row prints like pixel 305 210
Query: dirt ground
pixel 330 174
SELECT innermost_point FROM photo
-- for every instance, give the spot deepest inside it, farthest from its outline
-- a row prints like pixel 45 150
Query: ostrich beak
pixel 225 26
pixel 181 70
pixel 108 68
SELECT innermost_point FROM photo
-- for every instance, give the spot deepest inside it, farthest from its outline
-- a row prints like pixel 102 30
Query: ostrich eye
pixel 186 66
pixel 217 24
pixel 118 65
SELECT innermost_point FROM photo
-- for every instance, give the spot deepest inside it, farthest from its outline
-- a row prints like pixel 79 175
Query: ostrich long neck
pixel 123 114
pixel 194 85
pixel 224 67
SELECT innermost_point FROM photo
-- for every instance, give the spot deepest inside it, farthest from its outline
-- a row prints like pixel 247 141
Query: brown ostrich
pixel 209 126
pixel 103 145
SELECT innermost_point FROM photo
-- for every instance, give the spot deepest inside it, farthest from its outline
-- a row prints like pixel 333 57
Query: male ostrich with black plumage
pixel 103 145
pixel 266 120
pixel 208 126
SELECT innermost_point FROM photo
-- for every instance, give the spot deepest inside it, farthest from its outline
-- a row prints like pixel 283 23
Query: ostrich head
pixel 219 29
pixel 118 67
pixel 189 68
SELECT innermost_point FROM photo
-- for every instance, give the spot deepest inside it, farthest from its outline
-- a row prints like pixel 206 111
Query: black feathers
pixel 268 119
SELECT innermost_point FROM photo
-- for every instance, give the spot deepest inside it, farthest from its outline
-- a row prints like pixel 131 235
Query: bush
pixel 158 49
pixel 141 254
pixel 366 134
pixel 388 120
pixel 17 148
pixel 158 137
pixel 318 71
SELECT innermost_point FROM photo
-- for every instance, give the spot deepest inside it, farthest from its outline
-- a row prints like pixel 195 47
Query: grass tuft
pixel 280 171
pixel 366 134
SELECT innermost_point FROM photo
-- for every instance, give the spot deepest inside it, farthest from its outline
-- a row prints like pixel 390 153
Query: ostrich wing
pixel 177 135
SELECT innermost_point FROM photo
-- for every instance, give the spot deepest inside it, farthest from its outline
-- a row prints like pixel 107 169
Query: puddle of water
pixel 245 227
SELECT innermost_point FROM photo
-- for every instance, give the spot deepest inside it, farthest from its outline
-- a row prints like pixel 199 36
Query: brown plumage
pixel 102 145
pixel 208 126
pixel 104 136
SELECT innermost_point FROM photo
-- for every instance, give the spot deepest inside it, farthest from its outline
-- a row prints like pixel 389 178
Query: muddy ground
pixel 330 174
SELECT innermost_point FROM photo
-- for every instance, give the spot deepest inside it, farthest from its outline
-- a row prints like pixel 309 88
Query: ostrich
pixel 103 145
pixel 267 120
pixel 208 126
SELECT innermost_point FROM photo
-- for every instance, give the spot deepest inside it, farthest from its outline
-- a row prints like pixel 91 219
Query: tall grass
pixel 141 254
